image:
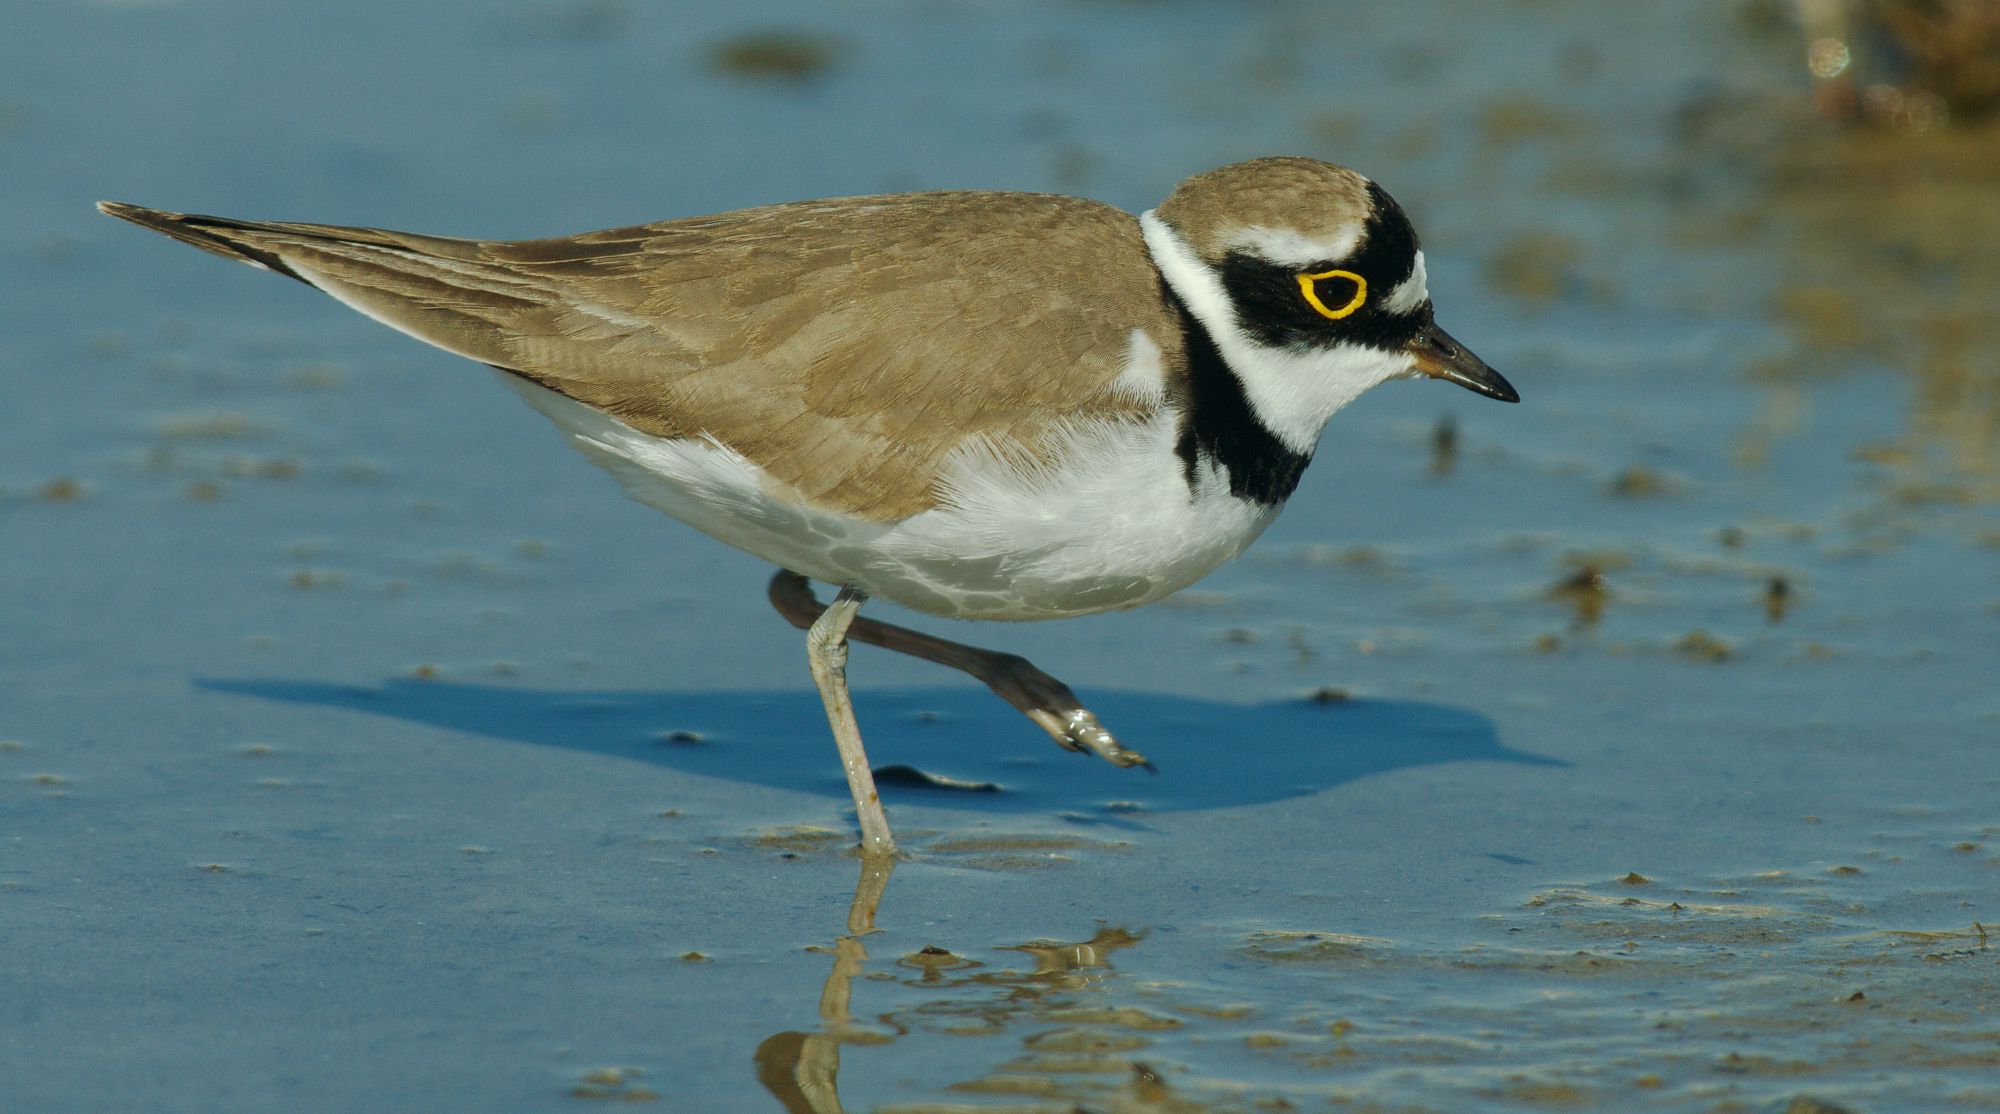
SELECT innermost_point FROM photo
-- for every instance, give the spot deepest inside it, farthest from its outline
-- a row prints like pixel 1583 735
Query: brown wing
pixel 845 346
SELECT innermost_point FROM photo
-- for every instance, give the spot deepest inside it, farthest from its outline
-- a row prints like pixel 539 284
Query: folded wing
pixel 845 346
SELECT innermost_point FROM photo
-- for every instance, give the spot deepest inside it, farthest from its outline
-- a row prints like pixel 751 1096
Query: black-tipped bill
pixel 1441 357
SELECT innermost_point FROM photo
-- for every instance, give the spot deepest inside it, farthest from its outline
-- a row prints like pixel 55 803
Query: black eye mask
pixel 1272 306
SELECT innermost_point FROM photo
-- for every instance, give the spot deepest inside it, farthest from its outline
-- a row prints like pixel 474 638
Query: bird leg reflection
pixel 1042 698
pixel 801 1070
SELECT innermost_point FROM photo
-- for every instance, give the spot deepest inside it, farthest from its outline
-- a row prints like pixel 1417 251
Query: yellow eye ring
pixel 1312 296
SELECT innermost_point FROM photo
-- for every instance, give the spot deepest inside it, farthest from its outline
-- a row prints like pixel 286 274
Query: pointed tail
pixel 205 232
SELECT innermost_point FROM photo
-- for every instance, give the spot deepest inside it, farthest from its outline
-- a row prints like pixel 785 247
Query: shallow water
pixel 363 748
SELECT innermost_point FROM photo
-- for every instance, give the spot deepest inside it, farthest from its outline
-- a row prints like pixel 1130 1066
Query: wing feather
pixel 847 347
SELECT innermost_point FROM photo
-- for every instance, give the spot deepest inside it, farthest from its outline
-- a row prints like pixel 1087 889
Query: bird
pixel 974 403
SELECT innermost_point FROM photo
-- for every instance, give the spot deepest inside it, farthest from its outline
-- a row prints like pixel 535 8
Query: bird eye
pixel 1334 294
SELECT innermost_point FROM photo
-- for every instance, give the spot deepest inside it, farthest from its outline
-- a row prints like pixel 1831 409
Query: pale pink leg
pixel 826 651
pixel 1042 698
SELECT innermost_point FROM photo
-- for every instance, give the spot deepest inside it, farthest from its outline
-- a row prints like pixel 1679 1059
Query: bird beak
pixel 1441 357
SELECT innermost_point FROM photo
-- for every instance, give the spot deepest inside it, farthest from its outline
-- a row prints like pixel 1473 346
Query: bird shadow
pixel 952 748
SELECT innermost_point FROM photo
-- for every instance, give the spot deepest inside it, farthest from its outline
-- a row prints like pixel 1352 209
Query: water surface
pixel 363 748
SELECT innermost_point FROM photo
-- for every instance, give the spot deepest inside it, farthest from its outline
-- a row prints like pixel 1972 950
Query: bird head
pixel 1310 279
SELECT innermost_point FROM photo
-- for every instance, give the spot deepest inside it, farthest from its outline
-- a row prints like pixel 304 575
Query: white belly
pixel 1114 527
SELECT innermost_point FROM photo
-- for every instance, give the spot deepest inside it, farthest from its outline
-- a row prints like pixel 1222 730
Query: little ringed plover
pixel 977 404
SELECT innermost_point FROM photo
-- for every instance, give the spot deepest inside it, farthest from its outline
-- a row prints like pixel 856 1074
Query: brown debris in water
pixel 1509 121
pixel 1777 598
pixel 1585 591
pixel 1908 65
pixel 796 57
pixel 933 961
pixel 1639 482
pixel 62 489
pixel 1277 946
pixel 1535 267
pixel 1700 645
pixel 799 837
pixel 614 1084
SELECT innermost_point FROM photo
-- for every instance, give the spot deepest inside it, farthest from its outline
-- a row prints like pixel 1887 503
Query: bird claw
pixel 1054 708
pixel 1078 730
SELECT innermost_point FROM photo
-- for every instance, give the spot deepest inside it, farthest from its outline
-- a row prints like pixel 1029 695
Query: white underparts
pixel 1293 391
pixel 1102 517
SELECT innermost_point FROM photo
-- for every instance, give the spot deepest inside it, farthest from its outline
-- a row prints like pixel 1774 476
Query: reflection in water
pixel 1884 250
pixel 1444 447
pixel 1085 1048
pixel 802 1069
pixel 1889 256
pixel 1777 598
pixel 1073 1033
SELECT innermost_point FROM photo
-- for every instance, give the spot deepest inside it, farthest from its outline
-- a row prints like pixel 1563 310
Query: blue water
pixel 337 695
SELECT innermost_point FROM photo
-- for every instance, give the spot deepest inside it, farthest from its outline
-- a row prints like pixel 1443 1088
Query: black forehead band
pixel 1388 254
pixel 1269 306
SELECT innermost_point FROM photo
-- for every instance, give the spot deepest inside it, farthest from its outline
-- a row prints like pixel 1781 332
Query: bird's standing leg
pixel 826 650
pixel 1042 698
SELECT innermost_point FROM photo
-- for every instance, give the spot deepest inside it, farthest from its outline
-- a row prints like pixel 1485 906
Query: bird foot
pixel 1078 730
pixel 1013 678
pixel 1055 709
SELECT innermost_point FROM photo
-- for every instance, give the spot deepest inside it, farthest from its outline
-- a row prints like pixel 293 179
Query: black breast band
pixel 1218 424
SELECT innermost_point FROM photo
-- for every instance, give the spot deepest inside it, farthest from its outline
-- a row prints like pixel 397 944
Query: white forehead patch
pixel 1410 293
pixel 1291 248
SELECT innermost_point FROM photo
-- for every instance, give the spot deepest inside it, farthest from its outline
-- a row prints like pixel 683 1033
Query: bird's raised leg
pixel 1042 698
pixel 826 650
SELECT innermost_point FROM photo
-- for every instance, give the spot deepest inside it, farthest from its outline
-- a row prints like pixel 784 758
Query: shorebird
pixel 980 404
